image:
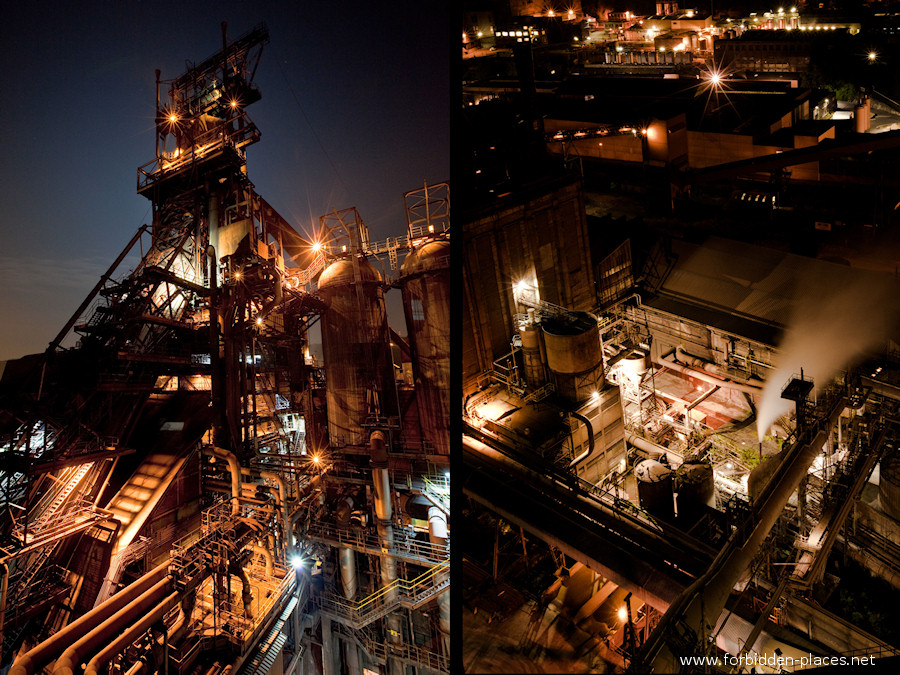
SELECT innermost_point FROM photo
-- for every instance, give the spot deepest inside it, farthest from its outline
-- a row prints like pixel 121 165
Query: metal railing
pixel 203 145
pixel 403 547
pixel 408 593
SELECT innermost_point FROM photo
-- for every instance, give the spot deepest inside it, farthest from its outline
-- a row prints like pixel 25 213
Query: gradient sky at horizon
pixel 354 112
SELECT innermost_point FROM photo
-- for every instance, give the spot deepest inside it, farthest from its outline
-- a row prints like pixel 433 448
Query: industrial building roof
pixel 754 292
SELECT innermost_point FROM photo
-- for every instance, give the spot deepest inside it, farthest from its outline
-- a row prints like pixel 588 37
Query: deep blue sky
pixel 354 112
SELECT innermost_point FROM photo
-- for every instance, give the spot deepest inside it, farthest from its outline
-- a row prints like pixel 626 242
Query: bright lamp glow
pixel 297 562
pixel 317 246
pixel 622 614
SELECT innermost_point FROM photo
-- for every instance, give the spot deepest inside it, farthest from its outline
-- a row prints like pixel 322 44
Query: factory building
pixel 187 489
pixel 694 454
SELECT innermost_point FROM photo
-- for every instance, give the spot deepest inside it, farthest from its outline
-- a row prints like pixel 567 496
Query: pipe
pixel 384 513
pixel 699 605
pixel 38 657
pixel 380 476
pixel 68 662
pixel 179 628
pixel 647 446
pixel 269 306
pixel 136 668
pixel 246 593
pixel 265 553
pixel 590 434
pixel 4 591
pixel 303 493
pixel 282 496
pixel 234 466
pixel 347 561
pixel 439 536
pixel 706 377
pixel 120 643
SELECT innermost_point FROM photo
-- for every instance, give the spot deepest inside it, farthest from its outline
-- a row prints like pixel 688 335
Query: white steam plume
pixel 835 321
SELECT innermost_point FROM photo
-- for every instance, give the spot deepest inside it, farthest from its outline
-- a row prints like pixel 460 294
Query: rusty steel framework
pixel 172 499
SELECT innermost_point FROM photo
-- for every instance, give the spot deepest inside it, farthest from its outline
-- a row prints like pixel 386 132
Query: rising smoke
pixel 838 316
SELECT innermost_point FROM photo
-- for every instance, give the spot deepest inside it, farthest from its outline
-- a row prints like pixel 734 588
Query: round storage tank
pixel 359 372
pixel 696 489
pixel 572 344
pixel 425 283
pixel 889 485
pixel 655 488
pixel 634 366
pixel 535 373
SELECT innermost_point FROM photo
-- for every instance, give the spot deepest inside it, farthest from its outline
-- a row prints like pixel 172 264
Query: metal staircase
pixel 411 594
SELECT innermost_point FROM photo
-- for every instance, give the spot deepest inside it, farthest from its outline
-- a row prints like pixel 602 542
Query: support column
pixel 328 665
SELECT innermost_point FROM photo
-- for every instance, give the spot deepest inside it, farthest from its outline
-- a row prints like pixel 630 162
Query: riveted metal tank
pixel 656 488
pixel 425 284
pixel 572 345
pixel 359 372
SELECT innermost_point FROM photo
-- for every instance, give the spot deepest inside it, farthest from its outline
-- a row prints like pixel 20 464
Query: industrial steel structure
pixel 623 436
pixel 186 489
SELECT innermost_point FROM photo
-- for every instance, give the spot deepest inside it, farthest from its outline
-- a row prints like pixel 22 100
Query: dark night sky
pixel 354 112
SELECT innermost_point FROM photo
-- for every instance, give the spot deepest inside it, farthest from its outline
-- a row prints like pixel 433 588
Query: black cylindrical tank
pixel 655 488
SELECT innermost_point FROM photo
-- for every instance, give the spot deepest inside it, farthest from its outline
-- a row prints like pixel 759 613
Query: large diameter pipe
pixel 285 513
pixel 120 643
pixel 704 600
pixel 590 434
pixel 380 476
pixel 234 466
pixel 384 513
pixel 35 659
pixel 438 534
pixel 706 377
pixel 347 561
pixel 68 662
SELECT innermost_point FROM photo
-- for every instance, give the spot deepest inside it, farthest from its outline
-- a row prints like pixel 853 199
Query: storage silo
pixel 359 372
pixel 425 283
pixel 655 488
pixel 572 344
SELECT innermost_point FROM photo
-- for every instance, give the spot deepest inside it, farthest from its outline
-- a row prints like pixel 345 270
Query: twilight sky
pixel 354 112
